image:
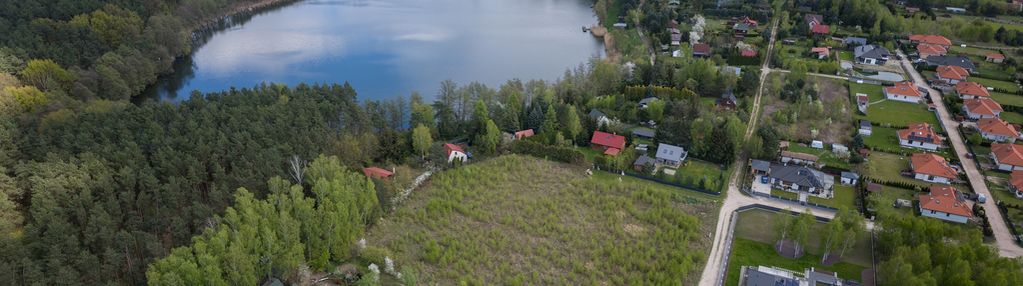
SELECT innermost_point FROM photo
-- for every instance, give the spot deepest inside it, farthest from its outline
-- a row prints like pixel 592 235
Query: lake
pixel 389 48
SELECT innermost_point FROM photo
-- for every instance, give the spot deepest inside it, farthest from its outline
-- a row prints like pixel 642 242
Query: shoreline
pixel 610 51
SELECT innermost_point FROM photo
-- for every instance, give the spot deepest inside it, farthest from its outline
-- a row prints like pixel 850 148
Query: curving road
pixel 1006 244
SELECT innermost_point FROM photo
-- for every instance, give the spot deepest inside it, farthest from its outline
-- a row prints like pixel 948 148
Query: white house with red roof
pixel 980 108
pixel 932 168
pixel 377 173
pixel 919 135
pixel 994 58
pixel 945 203
pixel 931 39
pixel 1007 156
pixel 1016 183
pixel 969 89
pixel 610 144
pixel 952 74
pixel 927 50
pixel 904 91
pixel 996 129
pixel 519 135
pixel 455 153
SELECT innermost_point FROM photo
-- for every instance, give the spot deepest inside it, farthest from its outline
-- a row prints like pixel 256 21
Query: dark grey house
pixel 871 55
pixel 959 61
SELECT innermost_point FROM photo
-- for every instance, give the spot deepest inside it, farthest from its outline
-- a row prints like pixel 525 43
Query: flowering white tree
pixel 696 34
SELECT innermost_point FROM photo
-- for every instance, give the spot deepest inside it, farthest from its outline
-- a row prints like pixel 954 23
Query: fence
pixel 669 183
pixel 1004 208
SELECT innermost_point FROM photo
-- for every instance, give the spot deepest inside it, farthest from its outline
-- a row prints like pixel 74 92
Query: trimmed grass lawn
pixel 884 201
pixel 875 92
pixel 882 137
pixel 695 170
pixel 754 237
pixel 522 220
pixel 901 114
pixel 1009 86
pixel 826 156
pixel 845 56
pixel 973 51
pixel 887 167
pixel 785 194
pixel 1012 117
pixel 588 152
pixel 1007 99
pixel 845 197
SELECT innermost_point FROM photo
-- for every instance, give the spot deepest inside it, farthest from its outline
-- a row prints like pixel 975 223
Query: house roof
pixel 953 72
pixel 820 29
pixel 596 114
pixel 871 52
pixel 729 95
pixel 862 98
pixel 612 151
pixel 676 37
pixel 982 106
pixel 820 50
pixel 929 49
pixel 749 53
pixel 1016 179
pixel 947 60
pixel 931 39
pixel 448 148
pixel 376 172
pixel 850 175
pixel 747 20
pixel 1008 153
pixel 798 155
pixel 608 140
pixel 647 100
pixel 701 49
pixel 906 88
pixel 855 40
pixel 994 56
pixel 931 164
pixel 760 165
pixel 524 134
pixel 971 88
pixel 644 132
pixel 670 152
pixel 801 175
pixel 945 199
pixel 864 124
pixel 741 27
pixel 813 18
pixel 919 132
pixel 996 126
pixel 644 160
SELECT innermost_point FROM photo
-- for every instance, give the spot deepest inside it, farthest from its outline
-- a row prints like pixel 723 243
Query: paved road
pixel 1006 244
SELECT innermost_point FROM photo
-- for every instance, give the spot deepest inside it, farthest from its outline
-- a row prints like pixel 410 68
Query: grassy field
pixel 1009 86
pixel 695 170
pixel 845 55
pixel 845 197
pixel 884 200
pixel 525 221
pixel 875 92
pixel 1012 117
pixel 882 137
pixel 1007 99
pixel 897 113
pixel 754 237
pixel 887 167
pixel 826 156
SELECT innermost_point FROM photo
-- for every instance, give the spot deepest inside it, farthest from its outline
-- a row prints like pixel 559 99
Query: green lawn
pixel 695 170
pixel 1000 191
pixel 875 92
pixel 845 197
pixel 1007 99
pixel 884 200
pixel 589 153
pixel 785 194
pixel 1012 117
pixel 972 51
pixel 747 252
pixel 845 55
pixel 825 155
pixel 1009 86
pixel 901 114
pixel 885 166
pixel 883 138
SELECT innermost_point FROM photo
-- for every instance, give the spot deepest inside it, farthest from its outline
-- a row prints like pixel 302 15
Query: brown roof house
pixel 932 168
pixel 945 203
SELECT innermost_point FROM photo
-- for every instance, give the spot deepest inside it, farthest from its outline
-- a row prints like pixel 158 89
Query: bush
pixel 560 154
pixel 375 255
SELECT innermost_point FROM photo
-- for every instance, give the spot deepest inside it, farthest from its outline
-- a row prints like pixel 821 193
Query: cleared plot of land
pixel 754 237
pixel 1012 117
pixel 845 197
pixel 884 201
pixel 831 117
pixel 1008 86
pixel 901 114
pixel 882 138
pixel 1007 99
pixel 521 220
pixel 826 156
pixel 887 167
pixel 875 92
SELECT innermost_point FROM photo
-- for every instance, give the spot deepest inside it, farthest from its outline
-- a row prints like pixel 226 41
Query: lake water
pixel 388 48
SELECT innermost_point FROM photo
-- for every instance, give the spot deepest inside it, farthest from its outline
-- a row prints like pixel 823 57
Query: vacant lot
pixel 1007 99
pixel 754 237
pixel 827 157
pixel 1012 117
pixel 887 167
pixel 884 201
pixel 1009 86
pixel 520 220
pixel 900 114
pixel 832 118
pixel 875 92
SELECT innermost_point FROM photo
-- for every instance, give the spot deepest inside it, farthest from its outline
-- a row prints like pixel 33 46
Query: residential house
pixel 849 178
pixel 919 135
pixel 746 20
pixel 905 91
pixel 813 20
pixel 952 74
pixel 932 168
pixel 852 42
pixel 1007 156
pixel 741 29
pixel 981 108
pixel 599 117
pixel 956 10
pixel 820 30
pixel 760 167
pixel 820 52
pixel 644 162
pixel 701 50
pixel 733 70
pixel 772 276
pixel 798 178
pixel 865 128
pixel 377 173
pixel 644 133
pixel 676 39
pixel 817 144
pixel 748 53
pixel 862 102
pixel 946 60
pixel 970 90
pixel 994 58
pixel 798 158
pixel 1016 183
pixel 519 135
pixel 931 39
pixel 455 153
pixel 928 50
pixel 871 55
pixel 610 144
pixel 670 155
pixel 727 100
pixel 996 129
pixel 945 203
pixel 643 103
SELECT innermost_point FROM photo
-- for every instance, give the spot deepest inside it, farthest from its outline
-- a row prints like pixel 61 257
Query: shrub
pixel 375 255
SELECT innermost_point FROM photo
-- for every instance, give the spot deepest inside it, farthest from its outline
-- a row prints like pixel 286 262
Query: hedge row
pixel 560 154
pixel 897 184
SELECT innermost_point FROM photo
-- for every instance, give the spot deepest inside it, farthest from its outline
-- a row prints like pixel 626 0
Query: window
pixel 932 212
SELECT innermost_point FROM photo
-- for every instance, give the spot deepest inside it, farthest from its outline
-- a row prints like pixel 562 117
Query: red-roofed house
pixel 820 30
pixel 523 134
pixel 945 203
pixel 1016 183
pixel 969 89
pixel 701 50
pixel 931 39
pixel 996 129
pixel 952 74
pixel 904 91
pixel 377 173
pixel 919 135
pixel 455 152
pixel 821 52
pixel 932 168
pixel 1007 156
pixel 748 53
pixel 608 143
pixel 981 108
pixel 927 50
pixel 995 58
